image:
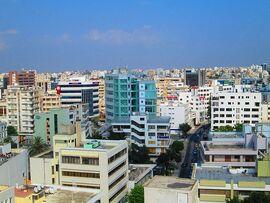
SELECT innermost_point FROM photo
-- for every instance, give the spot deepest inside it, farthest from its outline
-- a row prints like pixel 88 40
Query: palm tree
pixel 38 145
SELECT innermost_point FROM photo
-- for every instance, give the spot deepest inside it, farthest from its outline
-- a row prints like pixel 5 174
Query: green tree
pixel 175 149
pixel 138 155
pixel 11 131
pixel 136 195
pixel 177 146
pixel 226 128
pixel 254 197
pixel 238 127
pixel 96 135
pixel 234 200
pixel 9 139
pixel 37 146
pixel 185 127
pixel 116 136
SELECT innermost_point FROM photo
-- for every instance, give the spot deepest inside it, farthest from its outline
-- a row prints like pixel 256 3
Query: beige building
pixel 170 189
pixel 43 81
pixel 22 104
pixel 7 194
pixel 95 164
pixel 101 90
pixel 50 100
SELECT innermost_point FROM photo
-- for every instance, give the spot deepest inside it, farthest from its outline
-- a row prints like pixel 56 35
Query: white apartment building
pixel 151 131
pixel 22 104
pixel 198 99
pixel 143 129
pixel 230 108
pixel 101 164
pixel 178 112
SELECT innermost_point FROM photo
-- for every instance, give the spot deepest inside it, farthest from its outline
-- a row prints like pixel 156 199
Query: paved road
pixel 193 154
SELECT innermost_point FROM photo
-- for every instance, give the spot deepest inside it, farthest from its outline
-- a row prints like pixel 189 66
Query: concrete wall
pixel 41 170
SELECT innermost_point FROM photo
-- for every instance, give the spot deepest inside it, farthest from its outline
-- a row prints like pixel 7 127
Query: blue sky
pixel 60 35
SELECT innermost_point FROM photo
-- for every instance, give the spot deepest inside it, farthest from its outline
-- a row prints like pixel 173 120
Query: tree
pixel 254 197
pixel 9 139
pixel 238 127
pixel 37 146
pixel 96 135
pixel 116 136
pixel 136 195
pixel 11 131
pixel 226 128
pixel 138 155
pixel 177 146
pixel 185 127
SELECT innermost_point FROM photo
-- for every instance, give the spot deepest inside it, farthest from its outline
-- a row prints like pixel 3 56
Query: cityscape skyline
pixel 142 34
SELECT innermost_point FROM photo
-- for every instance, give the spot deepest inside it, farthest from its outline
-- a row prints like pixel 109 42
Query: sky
pixel 63 35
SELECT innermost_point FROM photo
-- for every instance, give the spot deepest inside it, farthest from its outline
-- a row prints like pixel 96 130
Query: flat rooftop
pixel 220 173
pixel 3 188
pixel 64 196
pixel 138 171
pixel 47 154
pixel 170 182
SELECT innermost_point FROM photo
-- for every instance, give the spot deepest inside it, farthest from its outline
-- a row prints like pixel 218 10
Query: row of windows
pixel 80 174
pixel 77 160
pixel 230 115
pixel 230 121
pixel 231 109
pixel 117 168
pixel 116 156
pixel 117 181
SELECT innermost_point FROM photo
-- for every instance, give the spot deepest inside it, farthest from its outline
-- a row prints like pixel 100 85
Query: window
pixel 80 174
pixel 90 161
pixel 70 159
pixel 116 156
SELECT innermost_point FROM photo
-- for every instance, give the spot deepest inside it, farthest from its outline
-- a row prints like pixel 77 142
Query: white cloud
pixel 142 35
pixel 9 32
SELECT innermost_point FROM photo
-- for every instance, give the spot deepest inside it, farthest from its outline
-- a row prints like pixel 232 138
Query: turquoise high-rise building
pixel 125 94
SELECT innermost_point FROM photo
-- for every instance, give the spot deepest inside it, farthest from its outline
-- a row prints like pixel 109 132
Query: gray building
pixel 13 165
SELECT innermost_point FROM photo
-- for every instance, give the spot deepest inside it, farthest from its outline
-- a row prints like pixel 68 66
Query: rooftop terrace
pixel 222 173
pixel 170 182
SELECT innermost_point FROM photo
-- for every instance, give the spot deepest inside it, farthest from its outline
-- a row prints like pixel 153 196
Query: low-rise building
pixel 171 189
pixel 13 165
pixel 7 194
pixel 100 164
pixel 218 184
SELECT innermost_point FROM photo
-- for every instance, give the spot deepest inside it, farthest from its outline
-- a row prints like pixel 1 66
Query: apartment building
pixel 3 110
pixel 102 107
pixel 101 164
pixel 230 108
pixel 22 103
pixel 146 130
pixel 179 114
pixel 195 77
pixel 168 87
pixel 43 81
pixel 24 77
pixel 126 94
pixel 7 194
pixel 79 90
pixel 50 100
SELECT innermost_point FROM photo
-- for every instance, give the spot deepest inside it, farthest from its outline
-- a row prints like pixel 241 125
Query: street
pixel 193 152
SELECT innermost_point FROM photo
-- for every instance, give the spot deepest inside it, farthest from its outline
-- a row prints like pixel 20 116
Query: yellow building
pixel 50 100
pixel 29 196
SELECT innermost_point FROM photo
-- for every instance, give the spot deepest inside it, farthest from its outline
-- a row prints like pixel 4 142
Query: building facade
pixel 27 78
pixel 79 90
pixel 22 104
